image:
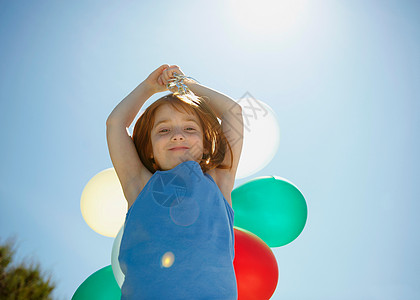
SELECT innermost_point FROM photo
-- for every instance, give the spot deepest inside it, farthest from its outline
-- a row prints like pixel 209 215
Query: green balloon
pixel 101 285
pixel 272 208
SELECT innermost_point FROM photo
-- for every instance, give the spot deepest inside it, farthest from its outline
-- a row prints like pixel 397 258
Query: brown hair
pixel 214 141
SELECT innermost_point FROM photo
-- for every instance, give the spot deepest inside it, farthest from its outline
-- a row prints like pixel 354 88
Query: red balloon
pixel 255 266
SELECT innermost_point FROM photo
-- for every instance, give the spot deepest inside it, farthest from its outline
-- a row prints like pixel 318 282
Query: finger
pixel 176 69
pixel 158 72
pixel 162 77
pixel 161 68
pixel 173 69
pixel 167 74
pixel 162 82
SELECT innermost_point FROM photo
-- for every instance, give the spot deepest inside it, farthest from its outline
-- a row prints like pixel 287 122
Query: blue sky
pixel 342 77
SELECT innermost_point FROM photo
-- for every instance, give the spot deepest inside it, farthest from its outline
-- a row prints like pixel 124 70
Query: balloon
pixel 103 204
pixel 261 136
pixel 118 274
pixel 255 266
pixel 101 285
pixel 270 207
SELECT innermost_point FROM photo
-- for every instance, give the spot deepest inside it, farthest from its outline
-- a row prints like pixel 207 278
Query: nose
pixel 177 135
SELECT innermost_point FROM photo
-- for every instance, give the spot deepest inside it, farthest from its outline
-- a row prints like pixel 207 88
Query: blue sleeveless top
pixel 178 240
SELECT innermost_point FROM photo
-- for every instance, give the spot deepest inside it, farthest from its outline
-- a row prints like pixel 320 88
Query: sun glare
pixel 267 16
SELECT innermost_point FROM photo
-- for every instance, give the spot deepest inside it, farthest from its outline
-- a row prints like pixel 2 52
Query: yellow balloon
pixel 103 204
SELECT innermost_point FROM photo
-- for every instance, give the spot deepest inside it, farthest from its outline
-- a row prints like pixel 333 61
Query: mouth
pixel 179 148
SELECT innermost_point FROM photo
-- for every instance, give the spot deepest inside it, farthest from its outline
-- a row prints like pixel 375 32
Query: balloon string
pixel 178 82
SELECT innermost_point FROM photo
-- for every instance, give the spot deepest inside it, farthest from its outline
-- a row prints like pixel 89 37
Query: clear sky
pixel 342 77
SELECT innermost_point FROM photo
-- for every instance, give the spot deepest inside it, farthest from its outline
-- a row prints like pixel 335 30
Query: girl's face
pixel 176 137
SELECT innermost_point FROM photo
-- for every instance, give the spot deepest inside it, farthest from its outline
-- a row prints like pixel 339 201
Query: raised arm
pixel 133 175
pixel 230 114
pixel 125 112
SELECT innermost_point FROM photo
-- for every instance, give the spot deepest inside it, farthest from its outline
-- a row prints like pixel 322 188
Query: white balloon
pixel 118 274
pixel 261 136
pixel 103 204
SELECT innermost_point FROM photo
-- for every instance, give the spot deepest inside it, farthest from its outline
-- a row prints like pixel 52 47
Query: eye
pixel 163 130
pixel 190 128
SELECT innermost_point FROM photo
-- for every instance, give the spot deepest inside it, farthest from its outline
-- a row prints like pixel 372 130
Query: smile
pixel 179 148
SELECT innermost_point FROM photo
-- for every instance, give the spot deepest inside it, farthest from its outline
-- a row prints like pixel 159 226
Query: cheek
pixel 158 139
pixel 198 138
pixel 155 144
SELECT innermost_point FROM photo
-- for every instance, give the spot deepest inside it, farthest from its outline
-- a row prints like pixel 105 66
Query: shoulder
pixel 224 181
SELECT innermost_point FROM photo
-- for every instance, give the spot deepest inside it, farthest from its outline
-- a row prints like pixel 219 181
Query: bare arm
pixel 230 113
pixel 220 103
pixel 125 112
pixel 131 172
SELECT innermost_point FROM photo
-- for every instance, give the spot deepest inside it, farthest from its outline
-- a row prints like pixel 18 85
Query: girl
pixel 177 173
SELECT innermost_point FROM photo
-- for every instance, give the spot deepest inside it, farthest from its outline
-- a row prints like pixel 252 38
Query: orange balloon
pixel 255 266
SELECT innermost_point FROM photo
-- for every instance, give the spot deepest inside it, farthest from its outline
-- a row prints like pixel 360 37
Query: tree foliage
pixel 21 281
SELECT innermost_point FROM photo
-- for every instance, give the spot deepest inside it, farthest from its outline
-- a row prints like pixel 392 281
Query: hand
pixel 158 79
pixel 167 74
pixel 152 82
